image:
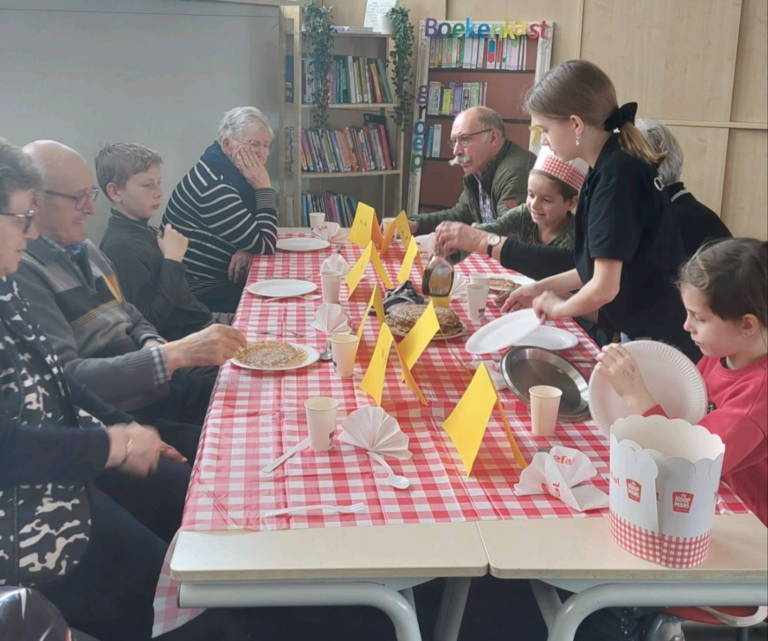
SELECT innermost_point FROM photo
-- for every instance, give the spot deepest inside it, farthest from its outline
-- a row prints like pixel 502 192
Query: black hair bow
pixel 625 113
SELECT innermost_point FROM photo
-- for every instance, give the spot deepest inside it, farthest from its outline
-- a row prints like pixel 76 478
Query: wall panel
pixel 750 95
pixel 745 194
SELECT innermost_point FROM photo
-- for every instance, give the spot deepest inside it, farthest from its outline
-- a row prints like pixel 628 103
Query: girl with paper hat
pixel 535 238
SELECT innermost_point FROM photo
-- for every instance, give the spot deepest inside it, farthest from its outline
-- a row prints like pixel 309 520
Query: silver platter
pixel 524 367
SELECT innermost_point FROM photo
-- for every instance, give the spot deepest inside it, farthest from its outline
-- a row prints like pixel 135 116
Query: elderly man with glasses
pixel 102 340
pixel 226 207
pixel 495 171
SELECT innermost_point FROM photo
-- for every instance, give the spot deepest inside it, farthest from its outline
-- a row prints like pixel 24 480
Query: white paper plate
pixel 671 378
pixel 302 244
pixel 515 278
pixel 549 337
pixel 281 288
pixel 503 332
pixel 312 357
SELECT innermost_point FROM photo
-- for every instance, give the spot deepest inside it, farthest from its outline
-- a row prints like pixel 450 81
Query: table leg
pixel 581 605
pixel 451 611
pixel 245 595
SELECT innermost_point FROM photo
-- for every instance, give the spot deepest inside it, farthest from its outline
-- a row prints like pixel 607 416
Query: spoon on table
pixel 395 480
pixel 327 355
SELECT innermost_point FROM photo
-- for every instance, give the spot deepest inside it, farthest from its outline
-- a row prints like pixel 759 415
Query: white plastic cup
pixel 321 421
pixel 343 349
pixel 480 279
pixel 545 403
pixel 331 283
pixel 477 295
pixel 386 223
pixel 316 219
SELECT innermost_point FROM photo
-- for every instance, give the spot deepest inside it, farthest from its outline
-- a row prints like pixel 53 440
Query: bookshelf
pixel 502 68
pixel 360 170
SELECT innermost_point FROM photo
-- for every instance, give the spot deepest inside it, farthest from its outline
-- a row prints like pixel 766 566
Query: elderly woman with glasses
pixel 226 207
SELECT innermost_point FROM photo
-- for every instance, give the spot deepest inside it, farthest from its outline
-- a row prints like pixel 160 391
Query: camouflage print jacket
pixel 45 525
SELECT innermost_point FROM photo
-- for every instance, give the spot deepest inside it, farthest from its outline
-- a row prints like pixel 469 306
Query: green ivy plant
pixel 319 30
pixel 401 57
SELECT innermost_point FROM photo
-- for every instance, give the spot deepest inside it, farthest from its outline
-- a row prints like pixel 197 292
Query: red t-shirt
pixel 740 418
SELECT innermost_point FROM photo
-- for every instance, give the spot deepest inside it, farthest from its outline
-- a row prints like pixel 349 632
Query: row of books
pixel 352 80
pixel 434 140
pixel 338 208
pixel 454 98
pixel 478 53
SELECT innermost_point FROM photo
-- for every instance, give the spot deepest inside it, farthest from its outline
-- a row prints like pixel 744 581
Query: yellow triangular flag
pixel 361 232
pixel 403 229
pixel 358 269
pixel 467 422
pixel 380 269
pixel 410 255
pixel 373 381
pixel 422 332
pixel 375 302
pixel 511 437
pixel 408 377
pixel 376 235
pixel 388 239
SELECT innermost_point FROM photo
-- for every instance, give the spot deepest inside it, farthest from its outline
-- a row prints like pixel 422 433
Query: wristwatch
pixel 493 240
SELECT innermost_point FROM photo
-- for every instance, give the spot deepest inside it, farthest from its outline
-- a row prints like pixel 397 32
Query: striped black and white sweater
pixel 219 212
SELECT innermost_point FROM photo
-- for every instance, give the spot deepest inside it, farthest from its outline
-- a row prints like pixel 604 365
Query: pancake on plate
pixel 402 318
pixel 270 355
pixel 500 284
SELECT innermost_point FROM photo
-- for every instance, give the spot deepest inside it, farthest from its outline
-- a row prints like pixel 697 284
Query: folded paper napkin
pixel 332 232
pixel 373 429
pixel 331 319
pixel 426 244
pixel 493 370
pixel 335 263
pixel 459 289
pixel 563 472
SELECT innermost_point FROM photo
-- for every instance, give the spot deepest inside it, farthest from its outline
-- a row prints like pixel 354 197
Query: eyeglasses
pixel 28 218
pixel 80 201
pixel 257 146
pixel 465 139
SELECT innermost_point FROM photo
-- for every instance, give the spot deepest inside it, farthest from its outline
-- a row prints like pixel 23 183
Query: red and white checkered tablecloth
pixel 254 417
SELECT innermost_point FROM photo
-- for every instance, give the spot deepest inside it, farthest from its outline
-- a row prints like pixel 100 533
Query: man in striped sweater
pixel 225 206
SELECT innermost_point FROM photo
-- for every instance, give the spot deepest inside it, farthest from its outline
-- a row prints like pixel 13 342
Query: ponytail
pixel 635 144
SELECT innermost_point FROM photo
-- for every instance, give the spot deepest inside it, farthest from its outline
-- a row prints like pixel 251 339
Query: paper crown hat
pixel 571 172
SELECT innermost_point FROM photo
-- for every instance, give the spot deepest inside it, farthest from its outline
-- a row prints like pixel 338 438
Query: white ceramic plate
pixel 508 330
pixel 281 288
pixel 312 357
pixel 671 378
pixel 302 244
pixel 549 337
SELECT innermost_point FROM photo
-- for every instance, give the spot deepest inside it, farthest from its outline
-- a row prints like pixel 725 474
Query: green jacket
pixel 517 223
pixel 505 180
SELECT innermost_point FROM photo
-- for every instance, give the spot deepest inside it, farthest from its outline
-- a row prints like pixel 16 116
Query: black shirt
pixel 623 214
pixel 697 222
pixel 156 286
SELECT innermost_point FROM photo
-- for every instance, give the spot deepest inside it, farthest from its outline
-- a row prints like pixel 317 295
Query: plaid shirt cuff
pixel 160 372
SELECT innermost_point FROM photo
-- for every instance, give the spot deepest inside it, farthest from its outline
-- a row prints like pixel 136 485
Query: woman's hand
pixel 460 237
pixel 239 265
pixel 252 168
pixel 546 306
pixel 623 373
pixel 521 298
pixel 134 449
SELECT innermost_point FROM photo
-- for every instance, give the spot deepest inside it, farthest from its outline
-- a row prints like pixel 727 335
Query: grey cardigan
pixel 95 333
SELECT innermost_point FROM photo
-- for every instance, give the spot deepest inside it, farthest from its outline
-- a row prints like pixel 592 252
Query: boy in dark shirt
pixel 148 262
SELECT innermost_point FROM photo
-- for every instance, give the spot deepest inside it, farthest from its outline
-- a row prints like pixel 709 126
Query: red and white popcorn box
pixel 664 479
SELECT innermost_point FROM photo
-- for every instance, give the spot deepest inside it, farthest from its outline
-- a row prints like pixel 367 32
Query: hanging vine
pixel 319 30
pixel 401 57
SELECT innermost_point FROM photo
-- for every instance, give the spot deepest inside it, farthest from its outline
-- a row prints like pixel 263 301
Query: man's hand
pixel 213 345
pixel 172 244
pixel 138 460
pixel 623 373
pixel 252 169
pixel 413 226
pixel 239 265
pixel 458 236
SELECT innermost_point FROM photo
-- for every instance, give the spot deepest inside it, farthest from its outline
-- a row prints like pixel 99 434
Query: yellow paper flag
pixel 511 437
pixel 375 302
pixel 380 268
pixel 422 332
pixel 407 376
pixel 467 422
pixel 361 232
pixel 388 239
pixel 410 255
pixel 373 381
pixel 401 222
pixel 358 269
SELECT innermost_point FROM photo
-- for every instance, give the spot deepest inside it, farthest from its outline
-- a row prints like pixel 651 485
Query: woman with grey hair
pixel 697 222
pixel 226 207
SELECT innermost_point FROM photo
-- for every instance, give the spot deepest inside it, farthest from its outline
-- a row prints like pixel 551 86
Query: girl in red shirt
pixel 724 292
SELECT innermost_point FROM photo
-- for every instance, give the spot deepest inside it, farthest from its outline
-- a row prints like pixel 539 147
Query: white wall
pixel 156 72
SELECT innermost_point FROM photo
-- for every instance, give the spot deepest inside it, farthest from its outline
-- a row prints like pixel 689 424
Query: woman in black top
pixel 627 246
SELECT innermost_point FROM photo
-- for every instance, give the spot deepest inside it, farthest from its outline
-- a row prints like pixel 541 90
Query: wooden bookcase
pixel 379 189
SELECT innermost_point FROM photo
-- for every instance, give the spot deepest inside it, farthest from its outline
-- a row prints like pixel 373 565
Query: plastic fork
pixel 341 509
pixel 285 331
pixel 280 298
